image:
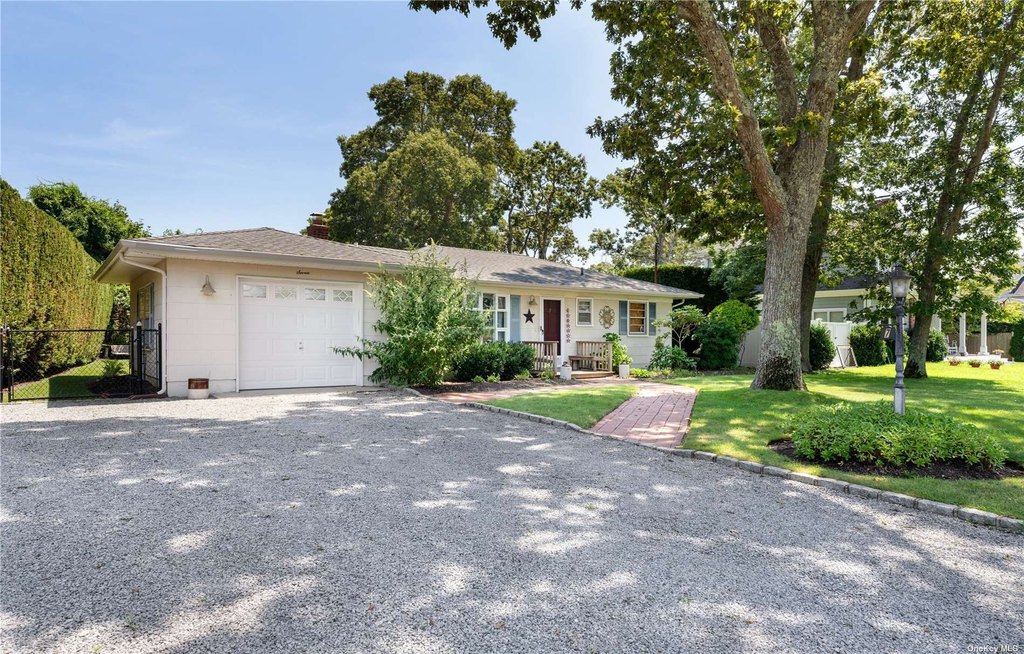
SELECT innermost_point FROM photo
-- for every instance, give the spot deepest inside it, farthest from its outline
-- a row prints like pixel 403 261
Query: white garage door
pixel 287 332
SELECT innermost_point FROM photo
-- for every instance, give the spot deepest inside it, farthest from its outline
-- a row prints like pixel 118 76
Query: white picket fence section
pixel 750 350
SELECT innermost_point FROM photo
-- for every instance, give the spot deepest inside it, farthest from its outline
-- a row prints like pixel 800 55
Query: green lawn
pixel 731 419
pixel 73 382
pixel 583 407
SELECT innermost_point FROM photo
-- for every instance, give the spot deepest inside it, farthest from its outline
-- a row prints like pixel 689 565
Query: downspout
pixel 163 317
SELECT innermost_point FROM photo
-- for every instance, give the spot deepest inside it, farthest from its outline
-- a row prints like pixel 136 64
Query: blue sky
pixel 224 115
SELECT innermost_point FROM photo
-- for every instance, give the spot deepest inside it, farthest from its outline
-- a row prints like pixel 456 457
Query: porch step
pixel 591 374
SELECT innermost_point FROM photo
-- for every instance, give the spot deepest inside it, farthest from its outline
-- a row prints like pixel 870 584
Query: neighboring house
pixel 1013 294
pixel 836 307
pixel 263 308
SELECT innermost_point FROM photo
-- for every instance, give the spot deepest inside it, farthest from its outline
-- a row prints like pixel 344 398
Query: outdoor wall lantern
pixel 899 285
pixel 208 287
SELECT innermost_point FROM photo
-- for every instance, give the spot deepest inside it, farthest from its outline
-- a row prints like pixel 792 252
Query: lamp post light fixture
pixel 899 285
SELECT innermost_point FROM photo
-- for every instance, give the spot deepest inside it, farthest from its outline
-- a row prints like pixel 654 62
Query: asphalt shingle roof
pixel 494 267
pixel 501 267
pixel 275 241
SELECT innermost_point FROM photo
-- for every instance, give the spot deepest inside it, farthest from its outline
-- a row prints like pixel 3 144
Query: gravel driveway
pixel 379 522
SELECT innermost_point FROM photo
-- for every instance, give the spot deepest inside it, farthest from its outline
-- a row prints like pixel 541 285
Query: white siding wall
pixel 639 347
pixel 201 331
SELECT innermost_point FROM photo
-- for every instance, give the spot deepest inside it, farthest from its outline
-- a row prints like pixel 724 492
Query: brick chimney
pixel 317 228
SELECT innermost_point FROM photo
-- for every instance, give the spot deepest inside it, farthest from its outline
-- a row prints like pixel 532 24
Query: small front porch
pixel 592 360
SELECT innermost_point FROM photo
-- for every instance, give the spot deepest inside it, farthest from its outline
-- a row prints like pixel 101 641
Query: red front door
pixel 553 322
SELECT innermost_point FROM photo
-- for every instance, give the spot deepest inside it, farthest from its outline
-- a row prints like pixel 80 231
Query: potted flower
pixel 620 359
pixel 975 363
pixel 995 365
pixel 954 361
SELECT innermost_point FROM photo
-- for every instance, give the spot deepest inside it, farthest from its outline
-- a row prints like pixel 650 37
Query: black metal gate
pixel 61 364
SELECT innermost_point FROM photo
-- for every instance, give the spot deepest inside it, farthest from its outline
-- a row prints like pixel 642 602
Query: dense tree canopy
pixel 753 81
pixel 426 168
pixel 97 224
pixel 542 192
pixel 948 190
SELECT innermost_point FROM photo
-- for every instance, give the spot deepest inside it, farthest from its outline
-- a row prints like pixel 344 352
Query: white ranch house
pixel 264 309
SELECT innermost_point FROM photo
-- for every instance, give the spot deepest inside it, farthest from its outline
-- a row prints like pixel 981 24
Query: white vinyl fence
pixel 750 350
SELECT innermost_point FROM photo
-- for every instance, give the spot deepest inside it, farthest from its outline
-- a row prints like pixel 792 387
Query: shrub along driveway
pixel 383 522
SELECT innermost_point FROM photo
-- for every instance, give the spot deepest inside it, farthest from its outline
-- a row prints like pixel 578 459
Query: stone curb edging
pixel 967 514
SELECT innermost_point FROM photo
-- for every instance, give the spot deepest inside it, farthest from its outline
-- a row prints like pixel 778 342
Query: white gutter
pixel 163 316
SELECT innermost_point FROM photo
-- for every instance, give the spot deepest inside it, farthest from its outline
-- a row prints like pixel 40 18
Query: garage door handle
pixel 300 345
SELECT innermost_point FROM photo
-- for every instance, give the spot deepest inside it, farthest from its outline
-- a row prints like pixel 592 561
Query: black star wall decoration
pixel 528 315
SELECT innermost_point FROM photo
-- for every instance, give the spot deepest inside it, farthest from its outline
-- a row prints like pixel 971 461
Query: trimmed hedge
pixel 719 345
pixel 47 285
pixel 937 347
pixel 1017 342
pixel 691 278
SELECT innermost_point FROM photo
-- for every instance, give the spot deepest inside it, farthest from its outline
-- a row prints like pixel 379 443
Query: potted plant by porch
pixel 975 363
pixel 620 358
pixel 954 361
pixel 995 365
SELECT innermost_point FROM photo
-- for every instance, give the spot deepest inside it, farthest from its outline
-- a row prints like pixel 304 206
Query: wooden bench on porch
pixel 592 355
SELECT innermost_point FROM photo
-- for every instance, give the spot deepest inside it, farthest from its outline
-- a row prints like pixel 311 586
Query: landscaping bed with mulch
pixel 121 386
pixel 486 387
pixel 953 470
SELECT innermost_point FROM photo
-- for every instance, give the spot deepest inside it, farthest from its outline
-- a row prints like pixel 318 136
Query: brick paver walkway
pixel 658 414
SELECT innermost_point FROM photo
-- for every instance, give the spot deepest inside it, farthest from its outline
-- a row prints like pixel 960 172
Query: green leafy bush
pixel 619 354
pixel 719 345
pixel 47 284
pixel 518 360
pixel 112 368
pixel 671 358
pixel 868 346
pixel 742 317
pixel 822 350
pixel 871 433
pixel 937 346
pixel 641 373
pixel 423 313
pixel 479 360
pixel 493 359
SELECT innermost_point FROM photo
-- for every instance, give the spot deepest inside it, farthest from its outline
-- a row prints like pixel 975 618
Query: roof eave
pixel 170 251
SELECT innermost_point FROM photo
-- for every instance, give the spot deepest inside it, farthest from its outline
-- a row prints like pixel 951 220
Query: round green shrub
pixel 937 346
pixel 719 345
pixel 871 433
pixel 479 360
pixel 742 317
pixel 822 350
pixel 868 346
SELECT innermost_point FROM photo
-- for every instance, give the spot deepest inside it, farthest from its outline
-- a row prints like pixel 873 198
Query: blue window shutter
pixel 623 317
pixel 515 334
pixel 652 315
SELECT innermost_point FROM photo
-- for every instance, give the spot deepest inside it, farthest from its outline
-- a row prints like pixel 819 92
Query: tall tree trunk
pixel 812 270
pixel 779 365
pixel 924 310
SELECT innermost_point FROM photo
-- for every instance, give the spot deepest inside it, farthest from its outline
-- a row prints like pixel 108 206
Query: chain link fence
pixel 59 364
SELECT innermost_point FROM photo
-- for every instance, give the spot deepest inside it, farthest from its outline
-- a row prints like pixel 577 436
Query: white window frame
pixel 828 314
pixel 498 298
pixel 629 319
pixel 590 312
pixel 149 293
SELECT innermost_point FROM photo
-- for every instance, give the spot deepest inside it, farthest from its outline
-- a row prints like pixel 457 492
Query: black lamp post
pixel 899 285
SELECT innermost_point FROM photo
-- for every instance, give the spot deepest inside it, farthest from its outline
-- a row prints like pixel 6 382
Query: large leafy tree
pixel 767 74
pixel 425 169
pixel 948 186
pixel 543 190
pixel 97 224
